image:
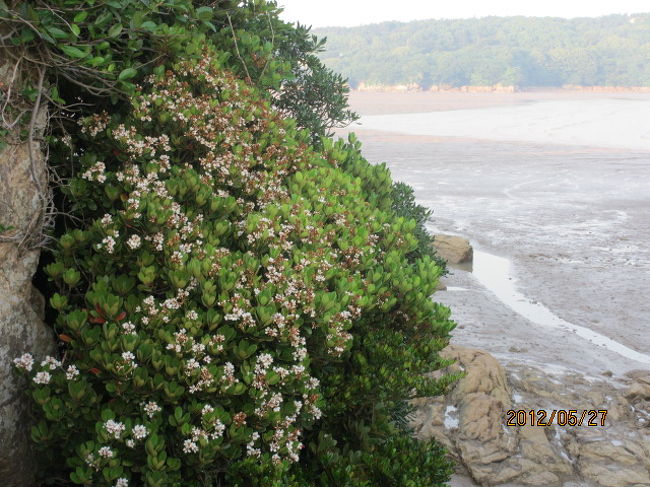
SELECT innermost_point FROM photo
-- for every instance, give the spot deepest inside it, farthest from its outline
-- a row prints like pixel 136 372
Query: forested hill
pixel 522 51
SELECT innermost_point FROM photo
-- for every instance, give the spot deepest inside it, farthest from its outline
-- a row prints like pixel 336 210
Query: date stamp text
pixel 560 417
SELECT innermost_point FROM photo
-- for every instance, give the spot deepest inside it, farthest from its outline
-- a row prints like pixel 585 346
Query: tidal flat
pixel 555 183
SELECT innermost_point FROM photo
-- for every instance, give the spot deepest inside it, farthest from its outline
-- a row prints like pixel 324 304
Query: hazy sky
pixel 320 13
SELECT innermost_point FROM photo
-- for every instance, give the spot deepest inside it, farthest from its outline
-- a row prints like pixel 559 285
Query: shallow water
pixel 495 273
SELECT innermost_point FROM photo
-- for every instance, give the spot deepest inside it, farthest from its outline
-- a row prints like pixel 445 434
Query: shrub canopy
pixel 223 287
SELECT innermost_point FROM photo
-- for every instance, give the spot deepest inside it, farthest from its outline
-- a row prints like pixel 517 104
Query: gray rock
pixel 22 189
pixel 471 423
pixel 455 250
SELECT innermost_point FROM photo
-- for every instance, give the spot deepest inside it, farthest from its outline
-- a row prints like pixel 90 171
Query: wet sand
pixel 378 103
pixel 612 122
pixel 573 221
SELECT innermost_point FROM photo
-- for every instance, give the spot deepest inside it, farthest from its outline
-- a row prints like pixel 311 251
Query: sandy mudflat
pixel 613 122
pixel 378 103
pixel 573 220
pixel 570 215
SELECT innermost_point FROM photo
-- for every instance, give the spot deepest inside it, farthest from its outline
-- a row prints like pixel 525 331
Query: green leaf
pixel 127 73
pixel 148 25
pixel 47 37
pixel 137 19
pixel 74 52
pixel 103 19
pixel 80 17
pixel 115 30
pixel 54 94
pixel 210 26
pixel 75 30
pixel 107 414
pixel 57 33
pixel 96 61
pixel 26 35
pixel 204 13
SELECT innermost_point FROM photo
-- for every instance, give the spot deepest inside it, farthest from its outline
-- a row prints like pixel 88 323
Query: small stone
pixel 455 250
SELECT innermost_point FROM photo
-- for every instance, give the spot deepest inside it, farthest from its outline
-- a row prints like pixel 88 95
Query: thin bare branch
pixel 234 38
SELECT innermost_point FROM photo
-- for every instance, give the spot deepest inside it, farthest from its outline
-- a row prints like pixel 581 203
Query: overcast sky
pixel 321 13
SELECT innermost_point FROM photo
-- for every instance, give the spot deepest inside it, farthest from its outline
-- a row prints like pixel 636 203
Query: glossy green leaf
pixel 115 30
pixel 127 73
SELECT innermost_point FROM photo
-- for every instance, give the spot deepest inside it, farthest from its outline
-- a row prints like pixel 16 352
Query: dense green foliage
pixel 226 288
pixel 99 49
pixel 522 51
pixel 229 288
pixel 404 205
pixel 95 51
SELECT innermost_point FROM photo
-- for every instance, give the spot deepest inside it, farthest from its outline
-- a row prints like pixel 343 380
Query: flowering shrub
pixel 220 269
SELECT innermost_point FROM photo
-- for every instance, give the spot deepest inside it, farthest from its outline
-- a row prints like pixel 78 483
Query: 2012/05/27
pixel 561 417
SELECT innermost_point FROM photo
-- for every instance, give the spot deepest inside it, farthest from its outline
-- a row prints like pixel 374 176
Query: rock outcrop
pixel 471 422
pixel 23 184
pixel 455 250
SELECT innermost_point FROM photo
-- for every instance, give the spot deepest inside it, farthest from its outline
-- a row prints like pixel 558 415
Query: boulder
pixel 455 250
pixel 23 187
pixel 470 421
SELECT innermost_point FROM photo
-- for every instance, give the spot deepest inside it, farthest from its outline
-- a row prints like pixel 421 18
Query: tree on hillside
pixel 524 51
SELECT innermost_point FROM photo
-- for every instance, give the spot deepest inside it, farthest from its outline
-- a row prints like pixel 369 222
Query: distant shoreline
pixel 497 89
pixel 394 102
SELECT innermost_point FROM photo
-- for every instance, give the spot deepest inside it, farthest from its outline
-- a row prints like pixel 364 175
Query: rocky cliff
pixel 23 195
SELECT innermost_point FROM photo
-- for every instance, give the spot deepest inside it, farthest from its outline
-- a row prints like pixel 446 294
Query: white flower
pixel 108 242
pixel 190 447
pixel 198 433
pixel 251 451
pixel 219 428
pixel 90 460
pixel 171 303
pixel 95 172
pixel 114 428
pixel 140 431
pixel 107 219
pixel 128 328
pixel 72 372
pixel 130 443
pixel 316 412
pixel 264 361
pixel 25 362
pixel 128 356
pixel 51 362
pixel 134 242
pixel 42 378
pixel 105 452
pixel 122 482
pixel 190 365
pixel 151 408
